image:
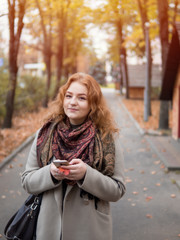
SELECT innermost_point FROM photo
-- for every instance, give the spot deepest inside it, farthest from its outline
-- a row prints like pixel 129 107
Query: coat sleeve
pixel 35 179
pixel 106 188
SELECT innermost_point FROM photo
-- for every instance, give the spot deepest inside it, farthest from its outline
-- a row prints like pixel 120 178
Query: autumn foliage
pixel 24 125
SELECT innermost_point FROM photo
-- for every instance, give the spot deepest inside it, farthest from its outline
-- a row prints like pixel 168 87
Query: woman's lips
pixel 72 109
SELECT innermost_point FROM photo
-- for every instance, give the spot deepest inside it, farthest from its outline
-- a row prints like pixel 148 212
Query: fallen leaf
pixel 142 172
pixel 173 195
pixel 135 193
pixel 128 150
pixel 10 166
pixel 157 162
pixel 144 189
pixel 148 215
pixel 162 166
pixel 149 198
pixel 128 180
pixel 153 172
pixel 141 150
pixel 158 184
pixel 24 125
pixel 19 193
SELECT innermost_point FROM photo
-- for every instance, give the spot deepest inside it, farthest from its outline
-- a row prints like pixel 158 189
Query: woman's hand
pixel 77 169
pixel 56 173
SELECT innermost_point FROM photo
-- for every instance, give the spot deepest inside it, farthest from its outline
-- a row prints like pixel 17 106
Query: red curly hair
pixel 99 114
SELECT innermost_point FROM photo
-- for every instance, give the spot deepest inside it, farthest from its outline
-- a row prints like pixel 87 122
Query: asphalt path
pixel 150 209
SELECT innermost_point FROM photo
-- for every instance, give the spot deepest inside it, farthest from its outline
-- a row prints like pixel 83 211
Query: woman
pixel 75 205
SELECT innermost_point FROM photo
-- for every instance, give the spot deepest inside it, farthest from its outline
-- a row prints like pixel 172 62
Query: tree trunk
pixel 175 11
pixel 48 81
pixel 124 69
pixel 10 100
pixel 47 48
pixel 164 115
pixel 123 60
pixel 14 41
pixel 164 37
pixel 59 59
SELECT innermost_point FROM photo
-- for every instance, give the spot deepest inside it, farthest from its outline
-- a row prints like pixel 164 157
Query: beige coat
pixel 79 220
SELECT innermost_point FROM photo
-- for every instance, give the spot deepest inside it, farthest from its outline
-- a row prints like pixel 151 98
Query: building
pixel 137 78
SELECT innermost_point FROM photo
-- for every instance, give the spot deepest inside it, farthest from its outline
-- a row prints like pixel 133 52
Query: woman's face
pixel 76 105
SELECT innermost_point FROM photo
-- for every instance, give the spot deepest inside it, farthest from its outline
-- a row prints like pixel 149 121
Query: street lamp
pixel 147 80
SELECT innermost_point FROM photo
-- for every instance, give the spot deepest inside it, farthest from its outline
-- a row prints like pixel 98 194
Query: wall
pixel 176 109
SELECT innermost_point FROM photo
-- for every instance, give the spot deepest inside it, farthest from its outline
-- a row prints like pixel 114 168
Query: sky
pixel 4 24
pixel 98 36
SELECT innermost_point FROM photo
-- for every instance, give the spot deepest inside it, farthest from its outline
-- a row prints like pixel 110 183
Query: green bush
pixel 3 92
pixel 30 93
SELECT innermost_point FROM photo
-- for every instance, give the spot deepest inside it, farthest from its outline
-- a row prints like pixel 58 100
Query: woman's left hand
pixel 77 169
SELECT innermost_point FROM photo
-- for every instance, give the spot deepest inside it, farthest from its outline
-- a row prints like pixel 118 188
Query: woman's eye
pixel 68 96
pixel 82 98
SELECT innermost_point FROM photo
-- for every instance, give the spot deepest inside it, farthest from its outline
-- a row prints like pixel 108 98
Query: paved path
pixel 150 210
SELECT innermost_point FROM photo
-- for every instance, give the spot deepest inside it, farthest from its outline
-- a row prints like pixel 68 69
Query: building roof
pixel 172 65
pixel 137 75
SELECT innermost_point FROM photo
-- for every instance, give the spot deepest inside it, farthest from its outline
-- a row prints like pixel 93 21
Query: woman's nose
pixel 73 101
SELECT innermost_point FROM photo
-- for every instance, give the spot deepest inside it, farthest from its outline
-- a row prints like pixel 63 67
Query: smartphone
pixel 59 163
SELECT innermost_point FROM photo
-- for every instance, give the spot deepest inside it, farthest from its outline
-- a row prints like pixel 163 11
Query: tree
pixel 16 12
pixel 98 72
pixel 117 13
pixel 75 35
pixel 164 38
pixel 46 25
pixel 61 15
pixel 57 29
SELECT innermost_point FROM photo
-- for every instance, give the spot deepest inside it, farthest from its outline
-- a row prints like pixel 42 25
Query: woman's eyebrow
pixel 77 93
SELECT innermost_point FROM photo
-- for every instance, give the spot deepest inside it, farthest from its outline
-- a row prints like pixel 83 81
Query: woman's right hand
pixel 56 173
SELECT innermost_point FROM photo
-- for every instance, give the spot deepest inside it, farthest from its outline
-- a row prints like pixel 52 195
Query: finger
pixel 75 161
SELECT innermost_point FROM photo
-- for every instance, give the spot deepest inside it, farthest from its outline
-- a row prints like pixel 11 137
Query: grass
pixel 109 85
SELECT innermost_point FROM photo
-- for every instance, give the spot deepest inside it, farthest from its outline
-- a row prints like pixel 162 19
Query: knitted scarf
pixel 61 140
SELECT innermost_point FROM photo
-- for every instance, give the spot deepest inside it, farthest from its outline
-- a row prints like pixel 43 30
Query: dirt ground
pixel 24 126
pixel 27 123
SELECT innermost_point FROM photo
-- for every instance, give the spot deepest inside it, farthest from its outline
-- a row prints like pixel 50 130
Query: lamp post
pixel 147 80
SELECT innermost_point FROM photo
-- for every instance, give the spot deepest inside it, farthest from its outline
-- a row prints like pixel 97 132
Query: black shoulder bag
pixel 22 225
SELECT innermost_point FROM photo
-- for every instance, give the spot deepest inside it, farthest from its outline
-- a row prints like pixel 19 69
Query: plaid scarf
pixel 61 140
